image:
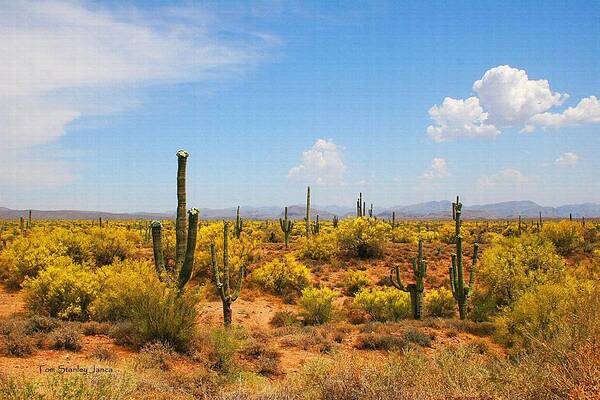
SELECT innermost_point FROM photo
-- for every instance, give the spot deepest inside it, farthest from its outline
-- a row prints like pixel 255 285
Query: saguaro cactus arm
pixel 188 265
pixel 215 271
pixel 395 272
pixel 159 261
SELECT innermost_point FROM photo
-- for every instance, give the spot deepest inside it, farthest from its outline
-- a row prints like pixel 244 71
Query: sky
pixel 403 101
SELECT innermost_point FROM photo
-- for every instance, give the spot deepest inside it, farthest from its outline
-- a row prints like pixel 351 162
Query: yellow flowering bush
pixel 281 276
pixel 567 236
pixel 388 304
pixel 362 237
pixel 439 303
pixel 321 247
pixel 317 305
pixel 355 281
pixel 63 290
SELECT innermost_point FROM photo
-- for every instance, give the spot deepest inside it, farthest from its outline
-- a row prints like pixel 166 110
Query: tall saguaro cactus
pixel 181 222
pixel 223 287
pixel 185 231
pixel 359 206
pixel 286 226
pixel 316 226
pixel 419 267
pixel 239 224
pixel 308 212
pixel 460 291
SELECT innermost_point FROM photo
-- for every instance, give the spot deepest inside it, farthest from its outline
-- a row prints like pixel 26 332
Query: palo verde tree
pixel 185 232
pixel 223 286
pixel 460 291
pixel 419 267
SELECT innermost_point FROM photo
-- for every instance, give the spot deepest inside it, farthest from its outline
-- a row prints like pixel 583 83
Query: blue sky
pixel 270 96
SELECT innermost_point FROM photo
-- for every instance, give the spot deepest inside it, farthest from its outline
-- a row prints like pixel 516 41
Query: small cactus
pixel 223 287
pixel 286 227
pixel 316 226
pixel 237 229
pixel 419 267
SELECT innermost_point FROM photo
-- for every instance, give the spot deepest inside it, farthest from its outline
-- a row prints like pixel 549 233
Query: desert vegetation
pixel 356 307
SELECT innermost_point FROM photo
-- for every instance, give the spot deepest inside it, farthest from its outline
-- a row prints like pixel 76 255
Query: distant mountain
pixel 427 210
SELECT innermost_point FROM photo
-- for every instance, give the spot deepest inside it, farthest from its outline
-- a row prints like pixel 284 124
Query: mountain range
pixel 426 210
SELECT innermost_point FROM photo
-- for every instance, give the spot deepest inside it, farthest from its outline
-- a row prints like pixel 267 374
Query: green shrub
pixel 355 281
pixel 63 290
pixel 284 318
pixel 282 276
pixel 362 237
pixel 317 305
pixel 160 314
pixel 388 304
pixel 439 303
pixel 321 247
pixel 224 344
pixel 120 283
pixel 567 236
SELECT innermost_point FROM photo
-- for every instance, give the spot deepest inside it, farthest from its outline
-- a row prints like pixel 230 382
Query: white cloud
pixel 455 118
pixel 567 159
pixel 506 97
pixel 510 97
pixel 321 164
pixel 51 48
pixel 506 178
pixel 587 111
pixel 29 168
pixel 438 170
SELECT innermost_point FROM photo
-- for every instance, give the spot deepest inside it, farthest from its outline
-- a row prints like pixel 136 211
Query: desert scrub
pixel 317 305
pixel 355 281
pixel 160 313
pixel 386 304
pixel 120 282
pixel 510 267
pixel 282 276
pixel 155 355
pixel 283 318
pixel 26 256
pixel 377 341
pixel 567 236
pixel 78 244
pixel 362 237
pixel 321 247
pixel 14 340
pixel 224 344
pixel 66 337
pixel 439 303
pixel 113 243
pixel 63 290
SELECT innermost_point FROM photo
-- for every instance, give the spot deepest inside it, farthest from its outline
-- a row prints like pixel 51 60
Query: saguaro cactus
pixel 237 229
pixel 29 224
pixel 185 242
pixel 223 287
pixel 460 292
pixel 316 226
pixel 307 219
pixel 371 211
pixel 419 267
pixel 393 219
pixel 335 221
pixel 286 226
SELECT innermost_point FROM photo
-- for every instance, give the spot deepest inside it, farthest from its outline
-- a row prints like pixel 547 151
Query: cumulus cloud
pixel 506 97
pixel 587 111
pixel 438 170
pixel 455 118
pixel 322 164
pixel 506 178
pixel 510 97
pixel 567 159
